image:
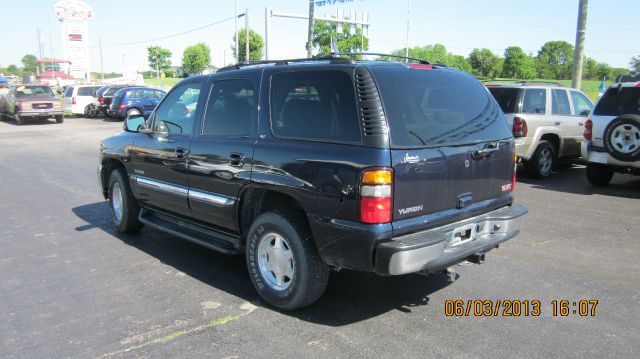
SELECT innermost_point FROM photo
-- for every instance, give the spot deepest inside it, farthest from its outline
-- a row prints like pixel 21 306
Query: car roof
pixel 523 84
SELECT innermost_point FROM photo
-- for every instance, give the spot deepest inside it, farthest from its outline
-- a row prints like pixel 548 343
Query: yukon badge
pixel 410 209
pixel 410 159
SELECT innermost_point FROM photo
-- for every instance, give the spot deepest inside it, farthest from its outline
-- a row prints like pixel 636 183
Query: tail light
pixel 520 127
pixel 588 127
pixel 376 196
pixel 73 100
pixel 420 66
pixel 515 168
pixel 101 100
pixel 122 107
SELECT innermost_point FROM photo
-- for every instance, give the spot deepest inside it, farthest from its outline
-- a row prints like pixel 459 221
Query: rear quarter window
pixel 315 106
pixel 86 91
pixel 429 108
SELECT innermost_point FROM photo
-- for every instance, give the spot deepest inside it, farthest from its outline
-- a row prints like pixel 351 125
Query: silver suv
pixel 612 134
pixel 547 121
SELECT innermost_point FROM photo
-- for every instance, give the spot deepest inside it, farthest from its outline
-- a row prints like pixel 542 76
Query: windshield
pixel 22 91
pixel 616 102
pixel 437 108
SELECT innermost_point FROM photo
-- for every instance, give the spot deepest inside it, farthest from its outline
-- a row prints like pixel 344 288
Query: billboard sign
pixel 73 9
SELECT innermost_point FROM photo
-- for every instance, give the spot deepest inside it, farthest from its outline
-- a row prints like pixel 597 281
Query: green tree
pixel 635 64
pixel 323 31
pixel 484 63
pixel 29 64
pixel 196 58
pixel 14 70
pixel 159 58
pixel 555 60
pixel 517 64
pixel 256 45
pixel 590 69
pixel 435 54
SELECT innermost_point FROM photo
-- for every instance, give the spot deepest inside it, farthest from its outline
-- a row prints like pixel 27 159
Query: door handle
pixel 236 159
pixel 487 151
pixel 580 123
pixel 557 123
pixel 181 152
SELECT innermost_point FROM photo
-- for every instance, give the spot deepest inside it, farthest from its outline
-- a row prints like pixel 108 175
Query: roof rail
pixel 353 54
pixel 332 60
pixel 538 82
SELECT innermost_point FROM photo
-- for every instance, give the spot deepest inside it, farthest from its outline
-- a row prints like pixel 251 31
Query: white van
pixel 78 97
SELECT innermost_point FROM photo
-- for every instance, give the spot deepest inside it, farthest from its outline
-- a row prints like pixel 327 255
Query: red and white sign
pixel 73 9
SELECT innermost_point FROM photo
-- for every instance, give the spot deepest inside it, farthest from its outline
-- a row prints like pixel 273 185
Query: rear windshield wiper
pixel 418 137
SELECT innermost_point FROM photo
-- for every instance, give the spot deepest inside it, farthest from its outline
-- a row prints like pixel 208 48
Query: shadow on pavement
pixel 350 296
pixel 30 121
pixel 572 178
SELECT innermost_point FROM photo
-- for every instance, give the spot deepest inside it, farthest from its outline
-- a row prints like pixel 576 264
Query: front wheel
pixel 598 174
pixel 283 263
pixel 124 208
pixel 19 120
pixel 543 160
pixel 90 111
pixel 59 119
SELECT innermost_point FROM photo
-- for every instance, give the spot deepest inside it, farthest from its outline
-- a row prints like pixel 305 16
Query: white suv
pixel 547 121
pixel 77 99
pixel 612 134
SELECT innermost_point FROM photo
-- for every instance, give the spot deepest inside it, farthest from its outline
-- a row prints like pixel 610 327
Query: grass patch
pixel 167 82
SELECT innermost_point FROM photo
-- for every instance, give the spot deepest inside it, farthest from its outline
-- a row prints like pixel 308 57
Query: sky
pixel 612 32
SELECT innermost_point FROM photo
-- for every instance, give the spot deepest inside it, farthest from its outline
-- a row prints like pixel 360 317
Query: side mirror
pixel 134 123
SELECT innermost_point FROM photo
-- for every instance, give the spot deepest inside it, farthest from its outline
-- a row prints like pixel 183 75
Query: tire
pixel 622 138
pixel 19 120
pixel 133 111
pixel 59 119
pixel 303 275
pixel 123 207
pixel 90 111
pixel 541 164
pixel 598 174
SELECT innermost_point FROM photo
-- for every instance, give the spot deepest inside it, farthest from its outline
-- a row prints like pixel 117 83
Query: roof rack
pixel 353 54
pixel 538 82
pixel 333 60
pixel 627 78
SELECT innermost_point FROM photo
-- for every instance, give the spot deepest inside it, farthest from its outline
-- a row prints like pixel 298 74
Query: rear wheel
pixel 133 111
pixel 90 111
pixel 543 160
pixel 19 120
pixel 59 119
pixel 124 208
pixel 598 174
pixel 283 263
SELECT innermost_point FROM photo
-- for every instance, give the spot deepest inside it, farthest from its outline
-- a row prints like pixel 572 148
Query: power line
pixel 172 35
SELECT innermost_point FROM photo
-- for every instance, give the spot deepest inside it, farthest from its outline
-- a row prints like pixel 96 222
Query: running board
pixel 204 236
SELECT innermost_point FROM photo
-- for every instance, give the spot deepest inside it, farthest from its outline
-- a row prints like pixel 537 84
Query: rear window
pixel 68 92
pixel 616 103
pixel 314 105
pixel 437 108
pixel 86 91
pixel 33 91
pixel 111 91
pixel 100 91
pixel 507 98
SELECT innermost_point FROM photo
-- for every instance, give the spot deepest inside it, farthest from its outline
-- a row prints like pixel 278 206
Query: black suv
pixel 105 96
pixel 308 165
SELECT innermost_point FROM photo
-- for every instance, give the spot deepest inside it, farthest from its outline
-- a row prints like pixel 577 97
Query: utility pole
pixel 310 32
pixel 39 52
pixel 578 55
pixel 406 49
pixel 236 20
pixel 101 67
pixel 246 35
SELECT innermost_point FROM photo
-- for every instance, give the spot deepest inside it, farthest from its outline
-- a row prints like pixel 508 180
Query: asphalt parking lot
pixel 71 287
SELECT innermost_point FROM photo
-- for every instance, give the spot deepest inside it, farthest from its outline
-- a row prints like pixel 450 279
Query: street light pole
pixel 236 29
pixel 246 35
pixel 310 32
pixel 406 50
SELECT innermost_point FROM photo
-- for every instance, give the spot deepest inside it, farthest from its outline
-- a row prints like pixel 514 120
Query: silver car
pixel 547 121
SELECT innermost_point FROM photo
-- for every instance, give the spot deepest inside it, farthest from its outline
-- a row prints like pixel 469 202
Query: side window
pixel 560 103
pixel 229 109
pixel 68 91
pixel 176 114
pixel 582 106
pixel 535 101
pixel 312 105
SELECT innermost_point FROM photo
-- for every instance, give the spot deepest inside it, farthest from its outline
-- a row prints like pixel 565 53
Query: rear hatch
pixel 451 149
pixel 616 101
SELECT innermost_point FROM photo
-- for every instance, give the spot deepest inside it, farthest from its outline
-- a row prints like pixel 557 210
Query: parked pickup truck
pixel 25 102
pixel 309 165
